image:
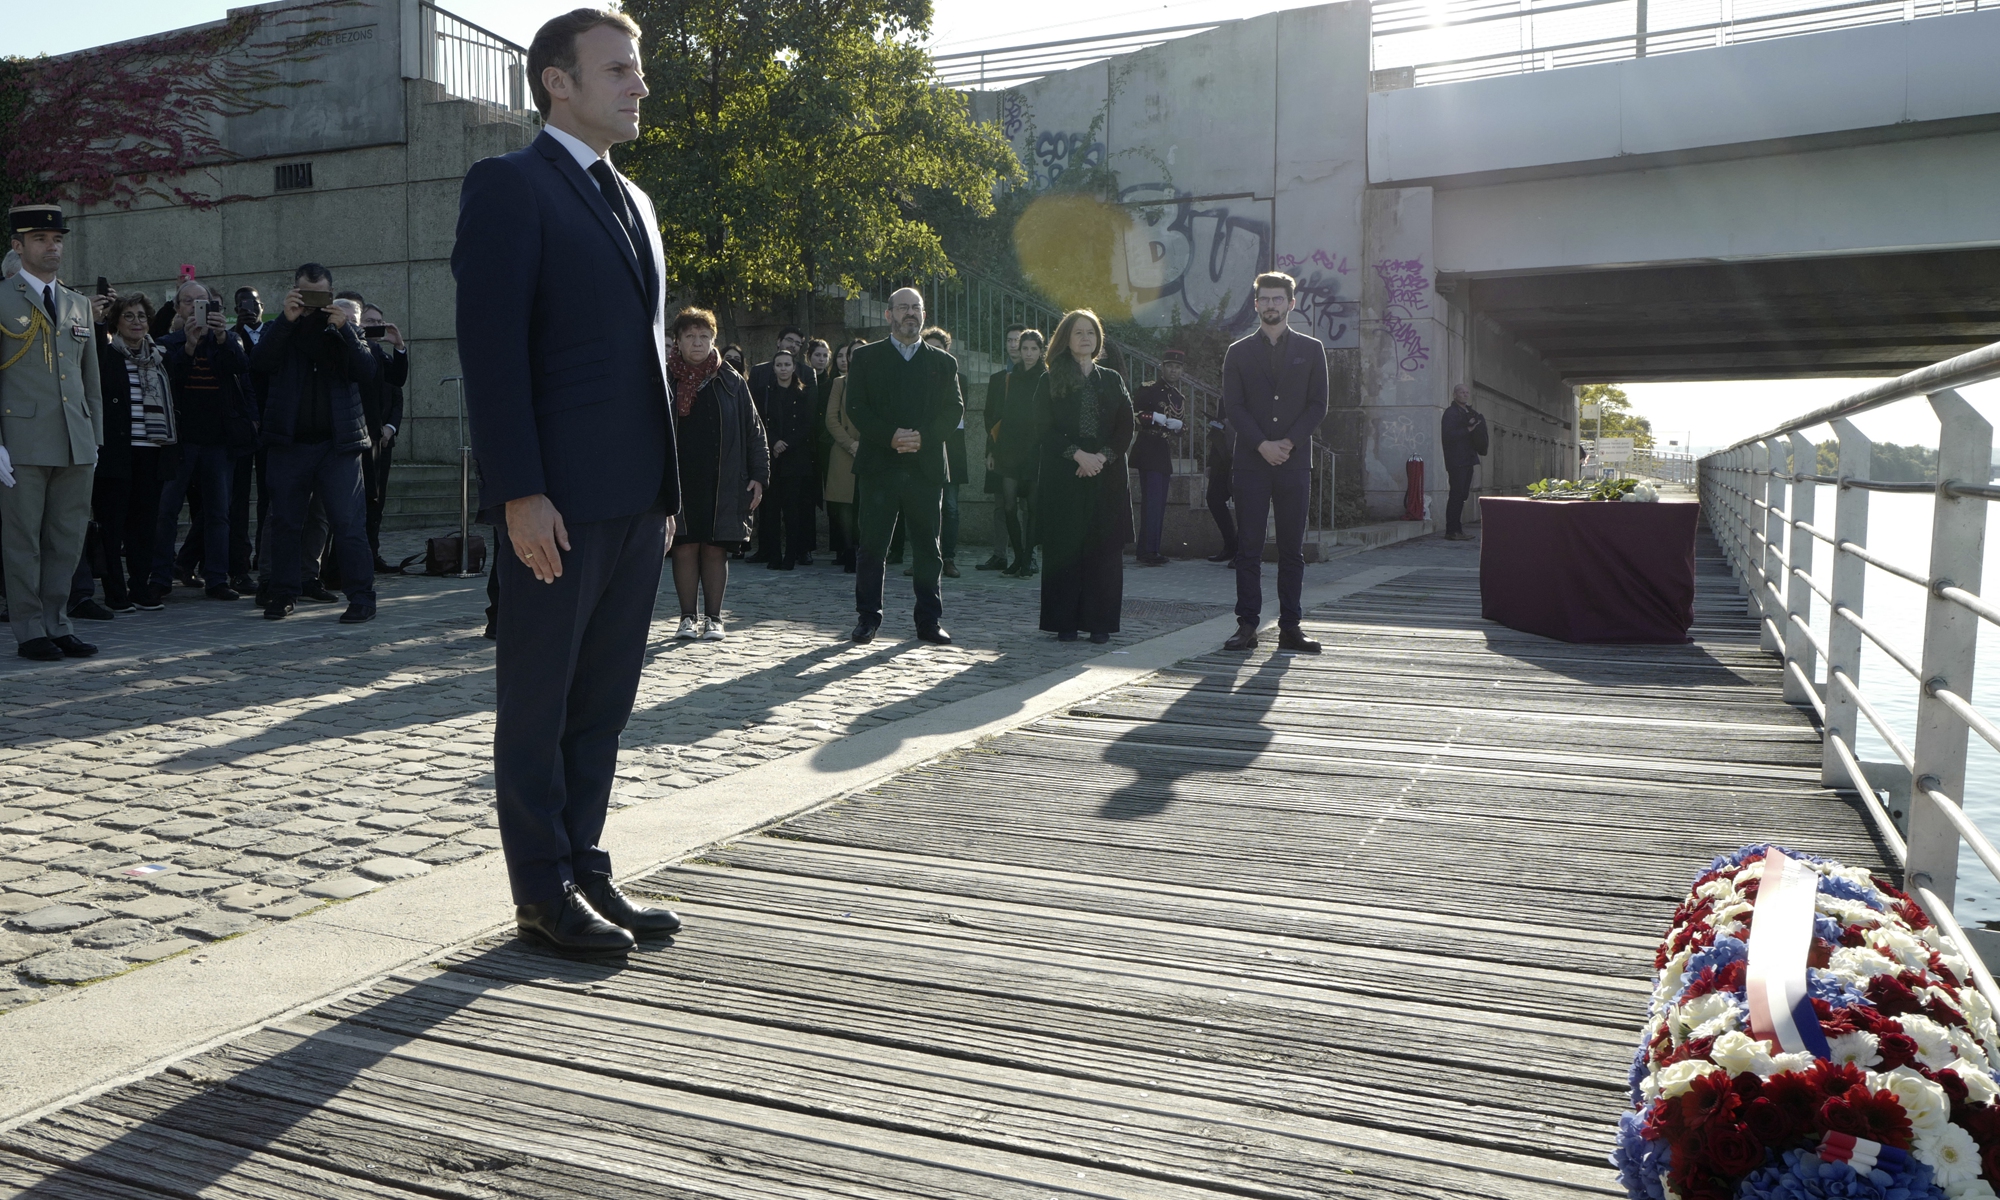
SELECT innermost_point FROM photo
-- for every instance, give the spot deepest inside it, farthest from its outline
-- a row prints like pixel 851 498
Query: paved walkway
pixel 211 772
pixel 1373 924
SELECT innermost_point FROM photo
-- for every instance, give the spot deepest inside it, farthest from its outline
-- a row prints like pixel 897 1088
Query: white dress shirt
pixel 584 155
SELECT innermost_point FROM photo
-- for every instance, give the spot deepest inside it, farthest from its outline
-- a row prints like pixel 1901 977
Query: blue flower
pixel 1826 929
pixel 1839 888
pixel 1634 1077
pixel 1802 1176
pixel 1640 1162
pixel 1825 985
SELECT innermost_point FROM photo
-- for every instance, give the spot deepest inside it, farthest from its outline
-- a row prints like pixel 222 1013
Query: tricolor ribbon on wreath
pixel 1781 936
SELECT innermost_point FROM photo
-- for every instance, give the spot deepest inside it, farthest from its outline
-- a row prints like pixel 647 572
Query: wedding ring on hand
pixel 530 554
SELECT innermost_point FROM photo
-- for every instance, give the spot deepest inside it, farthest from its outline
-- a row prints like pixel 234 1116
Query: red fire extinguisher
pixel 1413 498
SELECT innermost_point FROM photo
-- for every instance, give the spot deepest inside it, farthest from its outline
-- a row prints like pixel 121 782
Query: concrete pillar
pixel 1409 350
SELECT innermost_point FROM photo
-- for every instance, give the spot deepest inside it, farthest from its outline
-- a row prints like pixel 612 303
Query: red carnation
pixel 1796 1097
pixel 1820 954
pixel 1853 935
pixel 1774 1125
pixel 1897 1049
pixel 1989 1158
pixel 1748 1086
pixel 1877 1116
pixel 1868 1019
pixel 1892 997
pixel 1907 909
pixel 1694 1048
pixel 1832 1079
pixel 1732 1150
pixel 1710 1099
pixel 1983 1122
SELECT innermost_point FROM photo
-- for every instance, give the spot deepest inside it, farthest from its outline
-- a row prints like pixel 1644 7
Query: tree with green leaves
pixel 1615 416
pixel 787 146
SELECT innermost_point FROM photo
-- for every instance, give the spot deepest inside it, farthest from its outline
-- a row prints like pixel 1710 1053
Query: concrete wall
pixel 1876 78
pixel 382 217
pixel 1530 412
pixel 349 95
pixel 1236 150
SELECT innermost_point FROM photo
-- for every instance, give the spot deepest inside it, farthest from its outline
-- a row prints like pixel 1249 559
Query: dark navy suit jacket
pixel 1263 408
pixel 562 339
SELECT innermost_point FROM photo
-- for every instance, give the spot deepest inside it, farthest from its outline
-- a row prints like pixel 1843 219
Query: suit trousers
pixel 891 499
pixel 127 511
pixel 209 465
pixel 190 560
pixel 1152 511
pixel 377 464
pixel 567 665
pixel 1218 507
pixel 299 473
pixel 1283 494
pixel 43 518
pixel 1454 505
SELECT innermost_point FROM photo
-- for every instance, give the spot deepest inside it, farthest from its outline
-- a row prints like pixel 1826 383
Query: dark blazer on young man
pixel 886 392
pixel 1271 393
pixel 563 340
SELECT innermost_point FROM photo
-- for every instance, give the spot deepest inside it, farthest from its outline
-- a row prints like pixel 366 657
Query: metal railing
pixel 977 310
pixel 1760 496
pixel 1016 64
pixel 1664 465
pixel 1470 39
pixel 471 62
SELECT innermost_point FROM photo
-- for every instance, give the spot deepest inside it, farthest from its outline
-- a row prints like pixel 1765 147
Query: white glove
pixel 6 468
pixel 1160 419
pixel 1174 425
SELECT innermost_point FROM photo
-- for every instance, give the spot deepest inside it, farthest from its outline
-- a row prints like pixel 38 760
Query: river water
pixel 1899 530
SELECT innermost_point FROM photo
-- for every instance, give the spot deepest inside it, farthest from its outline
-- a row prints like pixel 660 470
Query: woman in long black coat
pixel 788 415
pixel 1016 455
pixel 1083 421
pixel 725 468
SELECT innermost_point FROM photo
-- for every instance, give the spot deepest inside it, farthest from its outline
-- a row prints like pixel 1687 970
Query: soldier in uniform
pixel 51 423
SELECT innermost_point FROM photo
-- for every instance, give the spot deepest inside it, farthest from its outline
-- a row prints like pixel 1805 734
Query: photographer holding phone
pixel 212 417
pixel 382 401
pixel 314 434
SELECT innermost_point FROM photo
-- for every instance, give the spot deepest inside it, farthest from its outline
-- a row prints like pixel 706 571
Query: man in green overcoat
pixel 51 423
pixel 903 398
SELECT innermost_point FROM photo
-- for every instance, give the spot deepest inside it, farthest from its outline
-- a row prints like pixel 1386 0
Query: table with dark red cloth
pixel 1588 570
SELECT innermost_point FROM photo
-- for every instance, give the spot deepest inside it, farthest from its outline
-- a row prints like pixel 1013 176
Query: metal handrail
pixel 471 61
pixel 1760 496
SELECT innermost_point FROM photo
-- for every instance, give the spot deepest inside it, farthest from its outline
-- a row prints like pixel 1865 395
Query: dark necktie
pixel 621 207
pixel 49 302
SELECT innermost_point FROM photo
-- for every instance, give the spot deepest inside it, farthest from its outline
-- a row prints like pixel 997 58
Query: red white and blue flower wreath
pixel 1810 1035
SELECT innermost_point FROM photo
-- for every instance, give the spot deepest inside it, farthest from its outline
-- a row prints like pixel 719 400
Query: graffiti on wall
pixel 1326 312
pixel 1013 115
pixel 1406 295
pixel 1194 257
pixel 1056 152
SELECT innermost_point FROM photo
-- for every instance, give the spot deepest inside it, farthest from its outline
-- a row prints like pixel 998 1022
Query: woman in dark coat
pixel 139 427
pixel 725 468
pixel 1010 431
pixel 787 405
pixel 1083 416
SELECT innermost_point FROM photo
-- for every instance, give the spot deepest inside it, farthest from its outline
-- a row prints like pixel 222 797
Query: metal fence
pixel 978 310
pixel 1759 496
pixel 1440 41
pixel 1015 64
pixel 1665 466
pixel 471 62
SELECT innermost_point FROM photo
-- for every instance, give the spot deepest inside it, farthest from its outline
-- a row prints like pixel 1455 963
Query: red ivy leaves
pixel 119 122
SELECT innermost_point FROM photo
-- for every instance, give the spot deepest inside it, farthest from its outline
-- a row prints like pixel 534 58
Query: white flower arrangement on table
pixel 1810 1037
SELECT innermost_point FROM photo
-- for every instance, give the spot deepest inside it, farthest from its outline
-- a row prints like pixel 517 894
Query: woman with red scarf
pixel 725 468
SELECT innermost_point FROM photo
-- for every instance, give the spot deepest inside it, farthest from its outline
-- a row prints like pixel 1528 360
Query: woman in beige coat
pixel 840 498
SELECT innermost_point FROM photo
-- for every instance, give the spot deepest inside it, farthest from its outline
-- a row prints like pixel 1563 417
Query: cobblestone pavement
pixel 210 771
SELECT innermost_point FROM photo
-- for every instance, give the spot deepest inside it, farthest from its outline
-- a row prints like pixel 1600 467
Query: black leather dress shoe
pixel 616 907
pixel 864 631
pixel 997 562
pixel 934 635
pixel 1245 638
pixel 1223 557
pixel 73 646
pixel 318 593
pixel 1291 637
pixel 571 928
pixel 88 609
pixel 41 649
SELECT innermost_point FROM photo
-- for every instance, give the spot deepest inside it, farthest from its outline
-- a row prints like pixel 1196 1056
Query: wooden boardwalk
pixel 1374 924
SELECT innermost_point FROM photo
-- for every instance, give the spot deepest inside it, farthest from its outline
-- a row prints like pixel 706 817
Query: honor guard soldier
pixel 51 423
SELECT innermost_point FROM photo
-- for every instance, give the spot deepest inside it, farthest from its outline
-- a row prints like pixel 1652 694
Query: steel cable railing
pixel 1759 496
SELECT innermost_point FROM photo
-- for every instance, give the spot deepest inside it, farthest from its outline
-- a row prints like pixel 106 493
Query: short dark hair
pixel 129 300
pixel 938 333
pixel 555 45
pixel 789 330
pixel 1015 329
pixel 732 348
pixel 820 343
pixel 694 318
pixel 1035 334
pixel 1276 279
pixel 312 270
pixel 355 296
pixel 246 289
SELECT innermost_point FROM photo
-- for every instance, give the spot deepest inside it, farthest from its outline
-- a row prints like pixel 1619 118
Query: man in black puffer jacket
pixel 314 435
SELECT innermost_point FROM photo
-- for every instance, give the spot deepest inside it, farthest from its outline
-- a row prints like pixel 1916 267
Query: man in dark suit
pixel 1462 430
pixel 1274 394
pixel 562 336
pixel 903 398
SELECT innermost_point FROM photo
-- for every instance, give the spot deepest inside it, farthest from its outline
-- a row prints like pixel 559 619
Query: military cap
pixel 26 218
pixel 1167 356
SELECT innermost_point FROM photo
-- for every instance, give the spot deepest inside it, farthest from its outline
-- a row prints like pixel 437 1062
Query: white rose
pixel 1858 1048
pixel 1680 1077
pixel 1979 1085
pixel 1670 979
pixel 1737 1052
pixel 1729 912
pixel 1951 1154
pixel 1847 912
pixel 1858 964
pixel 1907 949
pixel 1968 1048
pixel 1709 1016
pixel 1923 1101
pixel 1971 1189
